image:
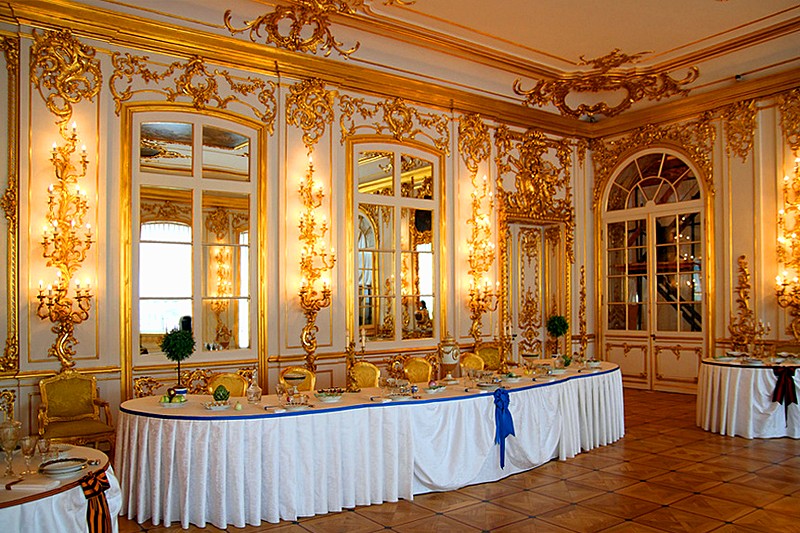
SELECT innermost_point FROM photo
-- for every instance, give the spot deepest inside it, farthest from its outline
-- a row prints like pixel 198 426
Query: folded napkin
pixel 503 422
pixel 34 484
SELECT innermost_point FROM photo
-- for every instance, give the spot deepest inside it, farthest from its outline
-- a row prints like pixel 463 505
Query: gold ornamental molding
pixel 399 119
pixel 194 80
pixel 308 22
pixel 739 122
pixel 64 71
pixel 696 138
pixel 530 312
pixel 605 77
pixel 747 333
pixel 542 190
pixel 9 361
pixel 474 141
pixel 790 119
pixel 309 106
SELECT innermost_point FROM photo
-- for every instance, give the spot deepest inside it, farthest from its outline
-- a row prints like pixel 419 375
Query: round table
pixel 34 504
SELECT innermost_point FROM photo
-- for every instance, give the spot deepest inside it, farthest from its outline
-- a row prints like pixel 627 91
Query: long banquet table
pixel 736 399
pixel 195 466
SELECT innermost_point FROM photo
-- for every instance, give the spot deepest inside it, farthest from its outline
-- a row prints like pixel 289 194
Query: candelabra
pixel 788 284
pixel 65 242
pixel 223 333
pixel 314 261
pixel 481 257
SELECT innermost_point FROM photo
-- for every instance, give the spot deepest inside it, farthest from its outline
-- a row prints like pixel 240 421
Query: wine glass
pixel 28 446
pixel 44 448
pixel 280 392
pixel 9 436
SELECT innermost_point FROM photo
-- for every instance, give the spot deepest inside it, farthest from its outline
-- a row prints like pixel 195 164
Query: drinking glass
pixel 9 436
pixel 28 446
pixel 44 448
pixel 280 392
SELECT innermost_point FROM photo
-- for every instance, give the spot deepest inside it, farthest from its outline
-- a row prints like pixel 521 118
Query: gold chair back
pixel 489 352
pixel 308 383
pixel 469 360
pixel 418 370
pixel 366 374
pixel 235 383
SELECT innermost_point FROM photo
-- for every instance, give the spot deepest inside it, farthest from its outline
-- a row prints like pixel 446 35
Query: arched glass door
pixel 654 300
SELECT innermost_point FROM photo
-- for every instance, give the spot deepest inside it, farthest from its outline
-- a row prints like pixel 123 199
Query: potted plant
pixel 178 345
pixel 557 326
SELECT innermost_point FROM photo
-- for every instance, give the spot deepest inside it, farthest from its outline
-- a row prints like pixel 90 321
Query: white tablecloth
pixel 736 400
pixel 64 512
pixel 194 466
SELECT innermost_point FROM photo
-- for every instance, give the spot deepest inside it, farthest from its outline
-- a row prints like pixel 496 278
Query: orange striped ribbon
pixel 98 516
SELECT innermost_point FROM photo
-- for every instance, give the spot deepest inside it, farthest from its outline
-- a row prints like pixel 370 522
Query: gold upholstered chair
pixel 470 361
pixel 235 383
pixel 489 352
pixel 309 379
pixel 418 370
pixel 366 374
pixel 70 411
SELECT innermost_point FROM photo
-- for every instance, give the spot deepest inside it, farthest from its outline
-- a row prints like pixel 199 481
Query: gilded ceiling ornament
pixel 739 121
pixel 606 77
pixel 308 22
pixel 64 72
pixel 474 143
pixel 790 118
pixel 194 80
pixel 696 138
pixel 399 119
pixel 541 170
pixel 310 106
pixel 582 146
pixel 9 361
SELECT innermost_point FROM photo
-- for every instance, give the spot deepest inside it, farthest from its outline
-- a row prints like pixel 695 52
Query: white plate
pixel 752 362
pixel 172 404
pixel 488 386
pixel 299 407
pixel 62 466
pixel 434 390
pixel 450 381
pixel 400 397
pixel 594 364
pixel 213 406
pixel 724 358
pixel 514 379
pixel 558 371
pixel 329 399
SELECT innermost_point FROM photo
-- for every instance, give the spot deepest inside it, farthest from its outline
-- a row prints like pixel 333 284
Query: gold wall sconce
pixel 65 242
pixel 314 262
pixel 787 284
pixel 483 297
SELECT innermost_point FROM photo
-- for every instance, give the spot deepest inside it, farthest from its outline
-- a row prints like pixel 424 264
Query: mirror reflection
pixel 166 148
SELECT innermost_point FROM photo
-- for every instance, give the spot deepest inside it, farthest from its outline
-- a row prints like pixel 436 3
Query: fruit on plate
pixel 221 394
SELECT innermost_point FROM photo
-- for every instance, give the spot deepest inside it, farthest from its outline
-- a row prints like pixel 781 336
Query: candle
pixel 363 338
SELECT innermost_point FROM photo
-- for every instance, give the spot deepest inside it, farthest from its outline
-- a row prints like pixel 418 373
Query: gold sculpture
pixel 606 77
pixel 788 283
pixel 65 242
pixel 351 383
pixel 314 261
pixel 747 333
pixel 482 296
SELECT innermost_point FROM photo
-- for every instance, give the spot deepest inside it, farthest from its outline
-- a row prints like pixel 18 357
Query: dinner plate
pixel 485 385
pixel 328 399
pixel 400 397
pixel 434 390
pixel 558 371
pixel 62 466
pixel 512 379
pixel 752 362
pixel 299 407
pixel 724 358
pixel 214 406
pixel 450 381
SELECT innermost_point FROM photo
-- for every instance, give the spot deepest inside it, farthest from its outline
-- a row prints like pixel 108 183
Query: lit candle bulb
pixel 41 285
pixel 74 127
pixel 55 149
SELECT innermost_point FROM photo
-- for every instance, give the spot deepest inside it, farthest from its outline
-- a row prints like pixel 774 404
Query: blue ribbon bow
pixel 503 422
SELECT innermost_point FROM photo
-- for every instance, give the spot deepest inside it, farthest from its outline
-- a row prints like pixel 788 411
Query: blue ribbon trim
pixel 503 422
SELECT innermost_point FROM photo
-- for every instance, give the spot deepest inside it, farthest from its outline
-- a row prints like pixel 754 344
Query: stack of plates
pixel 58 467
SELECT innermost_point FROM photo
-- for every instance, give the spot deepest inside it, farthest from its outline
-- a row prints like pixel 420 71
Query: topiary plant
pixel 557 326
pixel 178 345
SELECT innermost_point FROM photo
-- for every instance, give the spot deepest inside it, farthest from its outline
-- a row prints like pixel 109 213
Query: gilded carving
pixel 739 121
pixel 530 313
pixel 605 77
pixel 398 119
pixel 218 222
pixel 790 118
pixel 159 210
pixel 583 338
pixel 145 386
pixel 7 398
pixel 9 362
pixel 308 23
pixel 474 143
pixel 64 72
pixel 194 80
pixel 542 190
pixel 310 106
pixel 696 138
pixel 747 333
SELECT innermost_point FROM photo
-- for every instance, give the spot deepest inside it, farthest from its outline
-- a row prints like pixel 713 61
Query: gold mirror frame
pixel 9 361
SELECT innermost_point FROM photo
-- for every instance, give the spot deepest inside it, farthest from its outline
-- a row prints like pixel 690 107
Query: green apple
pixel 238 406
pixel 165 399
